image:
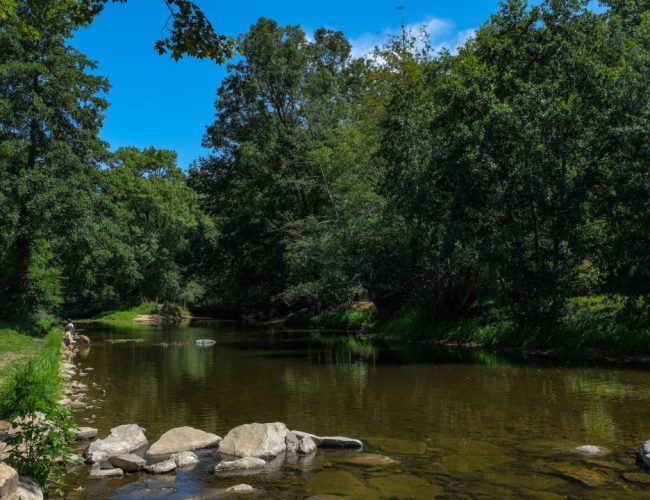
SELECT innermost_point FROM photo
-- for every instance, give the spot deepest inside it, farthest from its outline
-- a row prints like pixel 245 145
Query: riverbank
pixel 15 346
pixel 593 327
pixel 147 313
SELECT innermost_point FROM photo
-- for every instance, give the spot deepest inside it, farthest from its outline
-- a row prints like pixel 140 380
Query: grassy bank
pixel 15 346
pixel 597 322
pixel 129 316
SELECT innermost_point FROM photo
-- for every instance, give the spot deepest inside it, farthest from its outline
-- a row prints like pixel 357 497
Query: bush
pixel 29 399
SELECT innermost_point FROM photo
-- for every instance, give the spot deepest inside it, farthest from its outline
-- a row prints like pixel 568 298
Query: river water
pixel 460 423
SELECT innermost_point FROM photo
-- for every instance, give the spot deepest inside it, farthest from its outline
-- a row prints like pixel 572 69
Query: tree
pixel 49 119
pixel 277 116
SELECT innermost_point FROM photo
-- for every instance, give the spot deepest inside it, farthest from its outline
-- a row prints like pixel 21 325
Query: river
pixel 460 423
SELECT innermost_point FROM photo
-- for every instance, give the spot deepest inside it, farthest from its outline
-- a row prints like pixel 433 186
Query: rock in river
pixel 183 439
pixel 185 459
pixel 591 450
pixel 97 473
pixel 241 464
pixel 331 441
pixel 122 439
pixel 205 342
pixel 255 440
pixel 85 433
pixel 161 467
pixel 645 453
pixel 29 489
pixel 128 462
pixel 241 488
pixel 307 446
pixel 8 482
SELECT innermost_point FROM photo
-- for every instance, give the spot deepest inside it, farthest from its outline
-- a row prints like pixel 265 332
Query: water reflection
pixel 460 422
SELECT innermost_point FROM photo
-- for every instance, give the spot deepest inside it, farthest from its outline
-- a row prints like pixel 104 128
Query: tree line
pixel 501 178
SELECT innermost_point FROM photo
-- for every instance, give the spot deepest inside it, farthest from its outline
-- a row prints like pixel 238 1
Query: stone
pixel 78 405
pixel 183 439
pixel 122 439
pixel 292 442
pixel 128 462
pixel 85 433
pixel 97 473
pixel 185 459
pixel 645 453
pixel 591 450
pixel 241 488
pixel 8 482
pixel 241 464
pixel 336 482
pixel 580 474
pixel 163 467
pixel 29 489
pixel 255 440
pixel 637 477
pixel 405 485
pixel 331 441
pixel 369 460
pixel 307 446
pixel 205 342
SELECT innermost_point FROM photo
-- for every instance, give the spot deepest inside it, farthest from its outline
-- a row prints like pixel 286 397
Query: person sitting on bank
pixel 69 326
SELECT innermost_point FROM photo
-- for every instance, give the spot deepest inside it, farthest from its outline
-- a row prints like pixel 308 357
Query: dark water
pixel 462 424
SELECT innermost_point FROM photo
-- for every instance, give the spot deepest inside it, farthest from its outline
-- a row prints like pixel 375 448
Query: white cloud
pixel 440 32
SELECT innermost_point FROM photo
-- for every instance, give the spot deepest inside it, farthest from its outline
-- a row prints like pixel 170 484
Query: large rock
pixel 163 467
pixel 8 482
pixel 185 459
pixel 183 439
pixel 255 440
pixel 241 464
pixel 29 489
pixel 122 439
pixel 331 441
pixel 645 453
pixel 128 462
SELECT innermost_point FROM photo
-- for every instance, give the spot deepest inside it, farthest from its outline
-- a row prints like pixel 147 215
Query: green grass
pixel 128 313
pixel 15 346
pixel 344 319
pixel 597 322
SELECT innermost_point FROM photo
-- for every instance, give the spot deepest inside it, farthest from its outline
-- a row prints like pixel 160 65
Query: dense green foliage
pixel 29 395
pixel 491 184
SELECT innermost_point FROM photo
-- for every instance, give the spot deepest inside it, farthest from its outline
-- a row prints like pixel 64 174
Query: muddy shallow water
pixel 460 423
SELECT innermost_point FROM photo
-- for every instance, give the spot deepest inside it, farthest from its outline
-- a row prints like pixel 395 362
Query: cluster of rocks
pixel 247 447
pixel 75 392
pixel 13 487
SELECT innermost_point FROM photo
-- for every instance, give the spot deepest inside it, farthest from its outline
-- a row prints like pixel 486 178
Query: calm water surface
pixel 461 423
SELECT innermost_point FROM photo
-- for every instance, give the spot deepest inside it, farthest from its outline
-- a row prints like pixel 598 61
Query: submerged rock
pixel 29 489
pixel 183 439
pixel 581 475
pixel 97 473
pixel 163 467
pixel 241 464
pixel 8 482
pixel 128 462
pixel 369 460
pixel 255 440
pixel 185 459
pixel 122 439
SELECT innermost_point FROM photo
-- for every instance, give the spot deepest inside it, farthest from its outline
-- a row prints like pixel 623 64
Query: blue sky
pixel 158 102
